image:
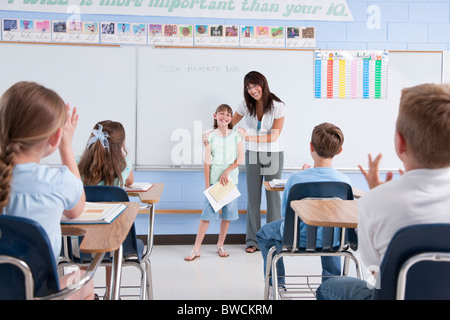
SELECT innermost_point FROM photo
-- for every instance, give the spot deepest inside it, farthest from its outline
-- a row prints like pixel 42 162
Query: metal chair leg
pixel 143 293
pixel 116 274
pixel 267 275
pixel 149 285
pixel 345 268
pixel 276 293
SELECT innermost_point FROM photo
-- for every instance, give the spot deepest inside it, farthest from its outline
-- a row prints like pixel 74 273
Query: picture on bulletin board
pixel 231 31
pixel 90 27
pixel 170 34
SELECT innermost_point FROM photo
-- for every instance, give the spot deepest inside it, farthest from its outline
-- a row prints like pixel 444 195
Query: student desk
pixel 150 197
pixel 330 213
pixel 101 238
pixel 357 193
pixel 327 213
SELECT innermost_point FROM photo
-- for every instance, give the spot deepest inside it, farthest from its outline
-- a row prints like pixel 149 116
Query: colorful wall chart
pixel 350 74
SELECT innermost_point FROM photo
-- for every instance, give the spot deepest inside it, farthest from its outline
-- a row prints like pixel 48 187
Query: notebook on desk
pixel 278 183
pixel 139 187
pixel 97 213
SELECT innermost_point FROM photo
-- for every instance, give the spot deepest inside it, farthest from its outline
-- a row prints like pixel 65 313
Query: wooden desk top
pixel 327 213
pixel 152 195
pixel 104 237
pixel 357 193
pixel 268 187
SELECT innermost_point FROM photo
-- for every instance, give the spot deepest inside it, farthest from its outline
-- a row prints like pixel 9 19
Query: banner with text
pixel 326 10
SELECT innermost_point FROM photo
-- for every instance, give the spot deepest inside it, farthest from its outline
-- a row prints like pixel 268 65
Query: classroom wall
pixel 390 24
pixel 382 24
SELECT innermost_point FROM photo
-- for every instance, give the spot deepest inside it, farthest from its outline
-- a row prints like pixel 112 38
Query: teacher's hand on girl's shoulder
pixel 243 133
pixel 205 137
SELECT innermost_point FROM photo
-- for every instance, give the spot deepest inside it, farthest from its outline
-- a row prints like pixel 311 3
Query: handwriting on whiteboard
pixel 194 68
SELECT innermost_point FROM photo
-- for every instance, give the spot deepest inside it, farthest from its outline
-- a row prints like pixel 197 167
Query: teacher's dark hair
pixel 257 78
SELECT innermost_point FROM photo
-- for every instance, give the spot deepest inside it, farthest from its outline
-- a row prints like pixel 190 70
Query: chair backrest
pixel 425 280
pixel 26 240
pixel 105 194
pixel 327 189
pixel 115 194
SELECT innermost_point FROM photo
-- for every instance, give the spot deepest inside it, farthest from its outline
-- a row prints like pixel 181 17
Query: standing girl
pixel 223 155
pixel 105 162
pixel 34 122
pixel 264 158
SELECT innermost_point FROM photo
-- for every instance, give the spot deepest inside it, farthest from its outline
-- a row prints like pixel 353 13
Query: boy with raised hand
pixel 421 195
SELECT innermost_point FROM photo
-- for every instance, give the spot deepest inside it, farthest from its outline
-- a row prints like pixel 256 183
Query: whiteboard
pixel 99 81
pixel 179 90
pixel 166 97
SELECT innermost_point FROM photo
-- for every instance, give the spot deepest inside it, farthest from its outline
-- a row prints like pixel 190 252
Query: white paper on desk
pixel 278 183
pixel 233 194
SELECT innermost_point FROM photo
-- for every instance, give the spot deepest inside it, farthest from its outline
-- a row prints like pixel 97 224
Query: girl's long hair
pixel 257 78
pixel 29 114
pixel 100 164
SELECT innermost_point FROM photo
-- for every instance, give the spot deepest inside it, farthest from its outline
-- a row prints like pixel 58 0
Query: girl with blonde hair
pixel 34 123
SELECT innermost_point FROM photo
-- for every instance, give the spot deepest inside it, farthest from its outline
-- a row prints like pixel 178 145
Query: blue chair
pixel 27 265
pixel 133 248
pixel 291 238
pixel 416 265
pixel 131 245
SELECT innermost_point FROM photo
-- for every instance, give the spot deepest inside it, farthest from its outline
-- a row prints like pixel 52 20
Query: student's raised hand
pixel 66 150
pixel 373 175
pixel 69 127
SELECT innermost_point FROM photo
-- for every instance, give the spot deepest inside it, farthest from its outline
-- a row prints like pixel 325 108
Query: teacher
pixel 263 114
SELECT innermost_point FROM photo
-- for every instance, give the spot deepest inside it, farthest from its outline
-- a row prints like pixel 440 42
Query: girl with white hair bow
pixel 105 161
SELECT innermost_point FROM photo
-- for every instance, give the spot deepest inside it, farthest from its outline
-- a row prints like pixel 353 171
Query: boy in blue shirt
pixel 326 142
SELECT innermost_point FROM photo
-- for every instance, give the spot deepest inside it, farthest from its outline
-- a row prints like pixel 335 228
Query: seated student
pixel 326 142
pixel 420 196
pixel 105 162
pixel 34 123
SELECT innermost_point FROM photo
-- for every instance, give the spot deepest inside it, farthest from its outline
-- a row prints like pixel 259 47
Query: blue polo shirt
pixel 311 175
pixel 42 193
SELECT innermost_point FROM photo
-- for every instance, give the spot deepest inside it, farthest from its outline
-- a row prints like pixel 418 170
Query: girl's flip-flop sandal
pixel 222 253
pixel 194 255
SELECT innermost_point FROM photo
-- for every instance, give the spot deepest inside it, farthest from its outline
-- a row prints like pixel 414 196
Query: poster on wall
pixel 350 74
pixel 300 37
pixel 262 36
pixel 123 33
pixel 216 35
pixel 324 10
pixel 75 32
pixel 157 34
pixel 26 30
pixel 170 34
